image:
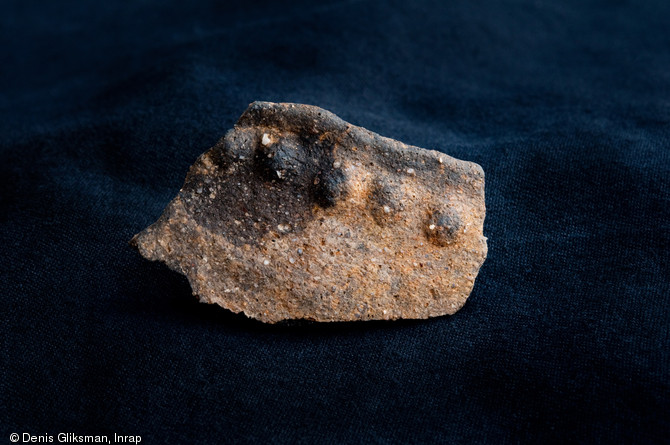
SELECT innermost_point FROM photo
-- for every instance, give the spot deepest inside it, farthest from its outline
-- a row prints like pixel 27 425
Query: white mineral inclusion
pixel 266 139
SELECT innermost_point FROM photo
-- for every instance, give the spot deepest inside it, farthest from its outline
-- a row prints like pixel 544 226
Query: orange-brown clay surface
pixel 296 214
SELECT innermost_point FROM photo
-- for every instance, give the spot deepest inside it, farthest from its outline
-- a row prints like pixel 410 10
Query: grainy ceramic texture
pixel 296 214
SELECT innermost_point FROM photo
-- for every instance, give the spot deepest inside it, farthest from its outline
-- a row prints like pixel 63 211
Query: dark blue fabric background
pixel 566 106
